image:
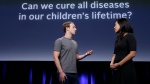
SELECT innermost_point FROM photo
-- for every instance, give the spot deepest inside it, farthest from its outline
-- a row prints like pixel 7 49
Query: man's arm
pixel 56 60
pixel 57 63
pixel 79 57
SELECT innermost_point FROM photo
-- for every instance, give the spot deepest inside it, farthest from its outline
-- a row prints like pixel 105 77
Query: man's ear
pixel 67 28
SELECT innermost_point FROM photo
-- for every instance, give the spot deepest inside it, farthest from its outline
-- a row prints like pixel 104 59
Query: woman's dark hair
pixel 125 27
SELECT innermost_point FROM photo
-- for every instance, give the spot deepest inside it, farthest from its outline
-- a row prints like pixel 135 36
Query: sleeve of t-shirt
pixel 57 45
pixel 131 42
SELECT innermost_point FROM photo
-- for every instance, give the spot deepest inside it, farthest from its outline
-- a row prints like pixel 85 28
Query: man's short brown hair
pixel 66 24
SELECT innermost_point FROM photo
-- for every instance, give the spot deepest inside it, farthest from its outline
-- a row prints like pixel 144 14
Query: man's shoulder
pixel 60 38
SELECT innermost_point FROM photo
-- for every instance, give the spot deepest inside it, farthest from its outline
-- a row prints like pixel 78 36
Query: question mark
pixel 130 13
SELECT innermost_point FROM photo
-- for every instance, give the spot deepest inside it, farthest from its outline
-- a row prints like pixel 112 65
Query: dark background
pixel 44 72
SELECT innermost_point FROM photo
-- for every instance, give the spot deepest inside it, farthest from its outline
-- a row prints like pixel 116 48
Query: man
pixel 66 55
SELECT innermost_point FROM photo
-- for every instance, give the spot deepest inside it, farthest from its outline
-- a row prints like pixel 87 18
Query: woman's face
pixel 116 27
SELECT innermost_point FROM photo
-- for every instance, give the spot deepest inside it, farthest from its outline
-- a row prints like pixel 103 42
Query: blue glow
pixel 83 79
pixel 30 76
pixel 50 82
pixel 44 78
pixel 92 79
pixel 104 75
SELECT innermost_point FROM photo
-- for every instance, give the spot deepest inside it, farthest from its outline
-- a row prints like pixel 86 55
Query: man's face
pixel 72 29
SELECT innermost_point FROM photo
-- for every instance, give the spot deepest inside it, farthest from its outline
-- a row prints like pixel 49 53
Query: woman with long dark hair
pixel 124 51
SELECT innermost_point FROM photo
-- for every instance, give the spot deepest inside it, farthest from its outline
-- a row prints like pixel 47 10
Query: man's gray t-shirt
pixel 68 49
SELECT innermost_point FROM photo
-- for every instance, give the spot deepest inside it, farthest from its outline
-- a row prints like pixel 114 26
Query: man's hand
pixel 89 52
pixel 62 77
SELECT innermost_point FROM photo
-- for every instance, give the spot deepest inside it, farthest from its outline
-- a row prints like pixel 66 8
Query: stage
pixel 44 72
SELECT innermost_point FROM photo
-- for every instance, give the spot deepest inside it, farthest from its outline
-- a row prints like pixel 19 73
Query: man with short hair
pixel 66 55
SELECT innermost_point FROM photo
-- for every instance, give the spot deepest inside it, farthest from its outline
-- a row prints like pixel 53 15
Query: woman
pixel 124 52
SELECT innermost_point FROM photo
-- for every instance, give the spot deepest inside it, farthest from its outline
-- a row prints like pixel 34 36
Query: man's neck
pixel 69 36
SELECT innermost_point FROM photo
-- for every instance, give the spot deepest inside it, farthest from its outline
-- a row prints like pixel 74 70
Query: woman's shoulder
pixel 130 36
